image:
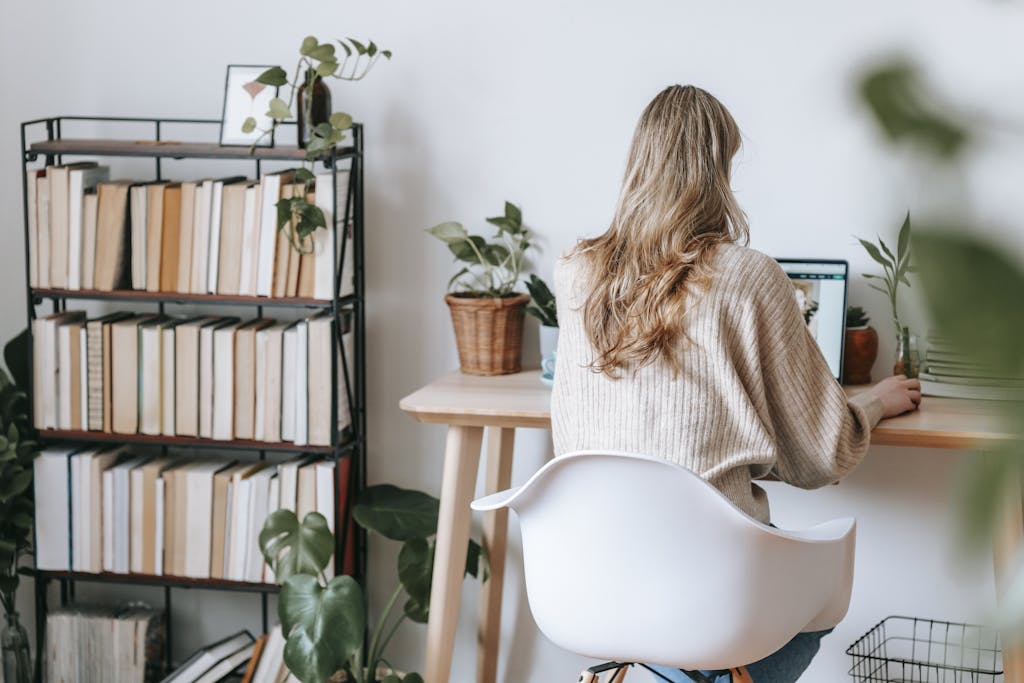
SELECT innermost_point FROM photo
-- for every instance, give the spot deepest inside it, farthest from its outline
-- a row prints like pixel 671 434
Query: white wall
pixel 534 102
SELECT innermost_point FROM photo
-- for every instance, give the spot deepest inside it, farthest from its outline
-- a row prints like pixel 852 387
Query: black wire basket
pixel 912 650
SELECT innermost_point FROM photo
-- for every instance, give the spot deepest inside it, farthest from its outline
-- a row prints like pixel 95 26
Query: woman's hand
pixel 898 394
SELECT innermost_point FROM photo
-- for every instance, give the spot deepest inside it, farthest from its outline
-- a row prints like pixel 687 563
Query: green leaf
pixel 16 358
pixel 360 48
pixel 886 250
pixel 323 130
pixel 416 610
pixel 279 109
pixel 449 232
pixel 503 224
pixel 462 271
pixel 290 548
pixel 903 242
pixel 874 253
pixel 416 567
pixel 513 213
pixel 391 678
pixel 323 52
pixel 341 120
pixel 304 175
pixel 275 77
pixel 345 47
pixel 326 68
pixel 309 43
pixel 464 250
pixel 249 125
pixel 386 53
pixel 12 432
pixel 371 49
pixel 396 513
pixel 412 678
pixel 496 254
pixel 284 212
pixel 973 291
pixel 324 626
pixel 18 483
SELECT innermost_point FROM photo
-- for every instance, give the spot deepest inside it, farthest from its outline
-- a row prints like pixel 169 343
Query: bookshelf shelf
pixel 152 580
pixel 62 140
pixel 169 149
pixel 184 441
pixel 183 299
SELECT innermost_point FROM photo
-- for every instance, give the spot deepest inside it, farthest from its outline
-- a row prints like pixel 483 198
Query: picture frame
pixel 244 97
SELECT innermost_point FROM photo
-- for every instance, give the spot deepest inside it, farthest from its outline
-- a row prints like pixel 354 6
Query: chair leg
pixel 741 675
pixel 617 673
pixel 587 677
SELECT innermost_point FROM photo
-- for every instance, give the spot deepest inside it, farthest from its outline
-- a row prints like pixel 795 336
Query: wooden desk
pixel 469 404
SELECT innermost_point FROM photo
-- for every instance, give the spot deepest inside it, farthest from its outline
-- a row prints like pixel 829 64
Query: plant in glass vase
pixel 16 504
pixel 319 129
pixel 896 267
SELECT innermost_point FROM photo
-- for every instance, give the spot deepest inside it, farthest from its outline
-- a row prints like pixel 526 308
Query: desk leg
pixel 499 477
pixel 461 461
pixel 1008 541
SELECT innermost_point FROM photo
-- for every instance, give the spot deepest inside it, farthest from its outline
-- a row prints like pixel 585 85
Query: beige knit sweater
pixel 755 396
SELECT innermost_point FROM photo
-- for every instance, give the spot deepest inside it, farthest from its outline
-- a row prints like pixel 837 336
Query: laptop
pixel 819 286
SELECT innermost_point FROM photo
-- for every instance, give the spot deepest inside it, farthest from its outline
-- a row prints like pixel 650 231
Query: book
pixel 69 374
pixel 91 533
pixel 290 349
pixel 325 474
pixel 260 484
pixel 935 386
pixel 301 375
pixel 283 249
pixel 59 179
pixel 206 658
pixel 168 378
pixel 269 364
pixel 139 218
pixel 186 227
pixel 121 511
pixel 219 535
pixel 272 505
pixel 97 333
pixel 51 474
pixel 199 521
pixel 207 375
pixel 270 184
pixel 228 664
pixel 144 523
pixel 186 377
pixel 232 227
pixel 291 287
pixel 216 225
pixel 305 285
pixel 250 670
pixel 100 643
pixel 149 252
pixel 112 237
pixel 46 368
pixel 271 668
pixel 35 179
pixel 249 252
pixel 124 378
pixel 167 263
pixel 80 179
pixel 238 547
pixel 288 472
pixel 201 237
pixel 43 248
pixel 305 491
pixel 223 416
pixel 319 385
pixel 150 373
pixel 90 205
pixel 245 375
pixel 325 255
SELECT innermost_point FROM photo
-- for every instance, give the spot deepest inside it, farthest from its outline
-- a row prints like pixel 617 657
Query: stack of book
pixel 951 373
pixel 112 644
pixel 112 510
pixel 212 236
pixel 215 662
pixel 208 377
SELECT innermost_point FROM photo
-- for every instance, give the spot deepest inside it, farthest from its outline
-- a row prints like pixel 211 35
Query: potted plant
pixel 324 621
pixel 542 307
pixel 17 451
pixel 487 312
pixel 861 347
pixel 896 267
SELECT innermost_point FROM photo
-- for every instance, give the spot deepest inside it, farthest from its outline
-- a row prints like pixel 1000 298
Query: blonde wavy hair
pixel 675 207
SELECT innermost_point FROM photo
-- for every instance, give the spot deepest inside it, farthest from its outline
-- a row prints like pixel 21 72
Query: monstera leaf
pixel 396 513
pixel 291 548
pixel 324 625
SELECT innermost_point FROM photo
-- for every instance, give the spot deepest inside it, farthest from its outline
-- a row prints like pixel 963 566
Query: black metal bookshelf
pixel 49 141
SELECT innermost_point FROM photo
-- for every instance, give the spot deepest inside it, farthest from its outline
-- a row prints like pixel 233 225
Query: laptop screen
pixel 820 290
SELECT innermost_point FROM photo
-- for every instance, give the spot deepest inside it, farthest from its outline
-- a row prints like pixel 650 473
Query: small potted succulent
pixel 861 347
pixel 487 312
pixel 542 307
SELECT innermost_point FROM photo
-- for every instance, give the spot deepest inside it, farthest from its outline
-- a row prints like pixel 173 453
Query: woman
pixel 676 340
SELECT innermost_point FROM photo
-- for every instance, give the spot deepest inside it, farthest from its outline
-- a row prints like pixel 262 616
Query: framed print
pixel 244 97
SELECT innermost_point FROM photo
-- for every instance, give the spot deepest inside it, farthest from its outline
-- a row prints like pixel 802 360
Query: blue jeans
pixel 785 665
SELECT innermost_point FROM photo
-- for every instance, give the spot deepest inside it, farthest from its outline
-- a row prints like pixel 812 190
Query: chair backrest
pixel 632 558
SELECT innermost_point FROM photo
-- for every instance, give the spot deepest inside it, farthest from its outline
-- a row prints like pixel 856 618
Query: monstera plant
pixel 325 620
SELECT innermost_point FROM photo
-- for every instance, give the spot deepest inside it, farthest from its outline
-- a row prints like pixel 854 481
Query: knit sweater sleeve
pixel 820 434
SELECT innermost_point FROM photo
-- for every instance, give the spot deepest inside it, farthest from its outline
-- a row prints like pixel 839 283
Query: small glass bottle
pixel 908 360
pixel 312 110
pixel 17 664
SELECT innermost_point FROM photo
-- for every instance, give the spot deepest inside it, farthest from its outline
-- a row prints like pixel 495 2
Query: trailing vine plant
pixel 296 215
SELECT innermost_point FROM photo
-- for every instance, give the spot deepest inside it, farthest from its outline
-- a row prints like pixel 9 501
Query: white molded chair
pixel 630 558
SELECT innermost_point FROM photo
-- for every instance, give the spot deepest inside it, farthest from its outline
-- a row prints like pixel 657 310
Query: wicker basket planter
pixel 488 332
